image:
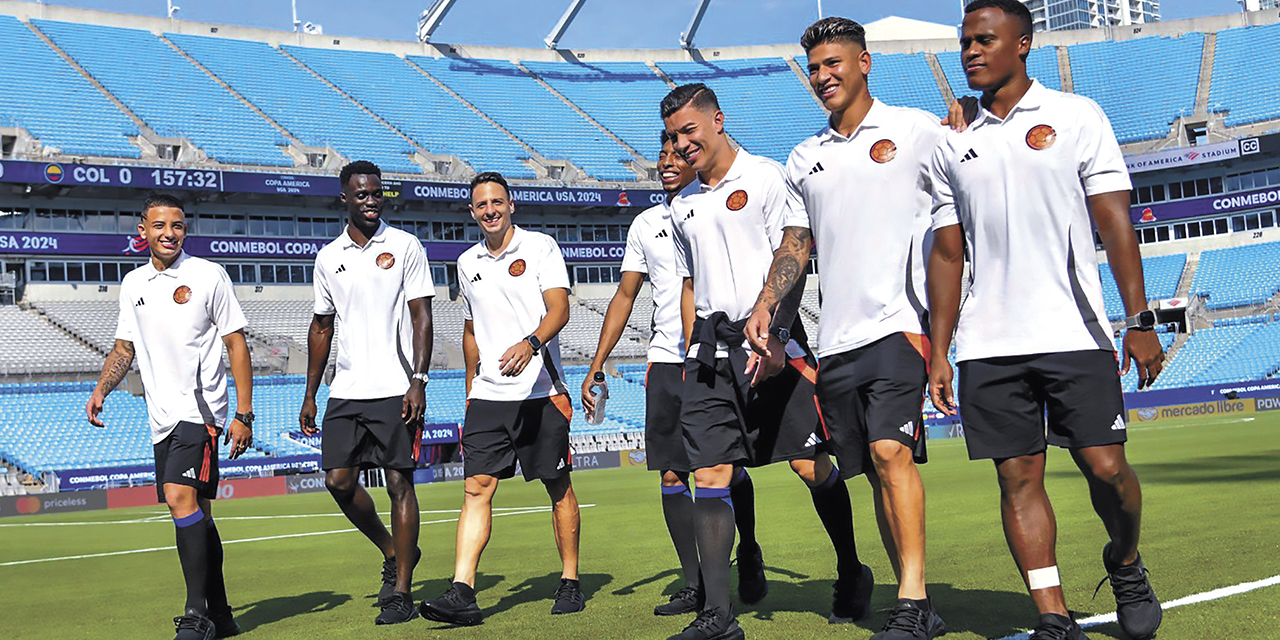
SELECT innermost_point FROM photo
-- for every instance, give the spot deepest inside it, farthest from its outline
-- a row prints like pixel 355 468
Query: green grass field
pixel 1212 519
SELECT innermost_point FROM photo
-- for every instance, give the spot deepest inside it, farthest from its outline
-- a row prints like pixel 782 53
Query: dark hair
pixel 161 200
pixel 833 29
pixel 490 176
pixel 358 168
pixel 699 95
pixel 665 138
pixel 1010 7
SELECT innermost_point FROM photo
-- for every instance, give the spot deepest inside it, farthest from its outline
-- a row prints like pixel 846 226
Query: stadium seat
pixel 1141 106
pixel 1238 89
pixel 1238 276
pixel 1161 274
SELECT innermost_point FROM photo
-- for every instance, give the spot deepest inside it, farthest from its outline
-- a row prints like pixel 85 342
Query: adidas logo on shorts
pixel 813 441
pixel 909 429
pixel 1118 425
pixel 189 473
pixel 561 465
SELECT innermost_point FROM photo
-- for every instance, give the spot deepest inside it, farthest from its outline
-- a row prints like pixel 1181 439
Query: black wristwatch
pixel 246 419
pixel 783 333
pixel 1141 321
pixel 534 342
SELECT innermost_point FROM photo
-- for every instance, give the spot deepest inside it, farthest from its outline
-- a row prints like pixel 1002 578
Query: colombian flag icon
pixel 53 173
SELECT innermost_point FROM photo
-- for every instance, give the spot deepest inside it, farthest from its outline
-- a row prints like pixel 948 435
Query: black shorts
pixel 1017 405
pixel 874 392
pixel 534 432
pixel 189 455
pixel 776 421
pixel 663 439
pixel 368 434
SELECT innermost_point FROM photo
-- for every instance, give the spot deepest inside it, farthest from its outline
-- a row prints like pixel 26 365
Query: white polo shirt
pixel 369 289
pixel 866 199
pixel 1019 188
pixel 502 297
pixel 726 235
pixel 176 320
pixel 651 250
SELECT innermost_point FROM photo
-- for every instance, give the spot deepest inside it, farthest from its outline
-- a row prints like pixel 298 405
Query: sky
pixel 601 24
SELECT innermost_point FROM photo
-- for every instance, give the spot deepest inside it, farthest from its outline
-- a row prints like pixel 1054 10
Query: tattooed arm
pixel 780 299
pixel 113 371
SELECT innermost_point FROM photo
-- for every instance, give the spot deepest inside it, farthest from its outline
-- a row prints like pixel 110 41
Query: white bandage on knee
pixel 1043 578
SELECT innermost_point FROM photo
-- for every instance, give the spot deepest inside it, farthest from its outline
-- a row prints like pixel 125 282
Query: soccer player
pixel 650 251
pixel 176 314
pixel 1019 192
pixel 374 281
pixel 859 189
pixel 515 294
pixel 741 409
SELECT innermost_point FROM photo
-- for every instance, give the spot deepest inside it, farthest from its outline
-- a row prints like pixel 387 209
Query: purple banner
pixel 82 479
pixel 118 245
pixel 68 174
pixel 432 434
pixel 1194 208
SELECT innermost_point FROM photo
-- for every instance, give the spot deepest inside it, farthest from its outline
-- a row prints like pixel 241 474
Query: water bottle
pixel 600 391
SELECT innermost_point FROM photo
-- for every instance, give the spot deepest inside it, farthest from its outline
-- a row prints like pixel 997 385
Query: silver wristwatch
pixel 1141 321
pixel 421 376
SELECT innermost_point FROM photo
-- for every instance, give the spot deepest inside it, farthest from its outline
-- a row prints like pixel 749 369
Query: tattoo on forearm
pixel 116 368
pixel 788 266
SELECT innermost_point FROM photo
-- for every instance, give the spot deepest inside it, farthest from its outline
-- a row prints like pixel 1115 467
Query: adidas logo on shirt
pixel 969 156
pixel 816 168
pixel 1118 425
pixel 189 473
pixel 139 303
pixel 688 215
pixel 341 268
pixel 909 429
pixel 476 278
pixel 663 234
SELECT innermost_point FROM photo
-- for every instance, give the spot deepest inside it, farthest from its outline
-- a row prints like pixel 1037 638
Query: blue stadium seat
pixel 1161 274
pixel 1141 106
pixel 516 101
pixel 299 101
pixel 1238 276
pixel 174 97
pixel 768 109
pixel 1242 88
pixel 43 94
pixel 418 107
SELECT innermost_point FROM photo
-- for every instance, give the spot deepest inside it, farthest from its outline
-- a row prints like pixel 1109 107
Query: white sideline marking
pixel 1194 598
pixel 166 518
pixel 510 511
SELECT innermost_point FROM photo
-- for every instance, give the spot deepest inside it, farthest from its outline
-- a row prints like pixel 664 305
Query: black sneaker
pixel 686 600
pixel 396 609
pixel 910 621
pixel 389 576
pixel 1055 627
pixel 752 587
pixel 852 597
pixel 224 624
pixel 711 624
pixel 569 598
pixel 456 606
pixel 1137 608
pixel 193 626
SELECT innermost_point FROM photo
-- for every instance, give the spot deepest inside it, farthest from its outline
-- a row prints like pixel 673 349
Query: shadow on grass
pixel 1242 468
pixel 542 589
pixel 262 612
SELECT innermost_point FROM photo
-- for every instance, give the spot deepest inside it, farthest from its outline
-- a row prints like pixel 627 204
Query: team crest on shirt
pixel 1041 137
pixel 182 294
pixel 517 268
pixel 736 200
pixel 884 151
pixel 386 260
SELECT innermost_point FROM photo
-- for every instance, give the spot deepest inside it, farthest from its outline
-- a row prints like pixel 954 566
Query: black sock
pixel 214 586
pixel 677 509
pixel 193 552
pixel 714 511
pixel 743 492
pixel 831 501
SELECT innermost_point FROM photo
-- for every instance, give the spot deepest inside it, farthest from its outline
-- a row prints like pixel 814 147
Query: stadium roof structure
pixel 70 91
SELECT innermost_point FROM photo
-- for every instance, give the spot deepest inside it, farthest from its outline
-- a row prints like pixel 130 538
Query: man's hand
pixel 414 406
pixel 961 113
pixel 588 399
pixel 1143 347
pixel 761 368
pixel 94 407
pixel 307 418
pixel 757 330
pixel 513 362
pixel 940 376
pixel 239 436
